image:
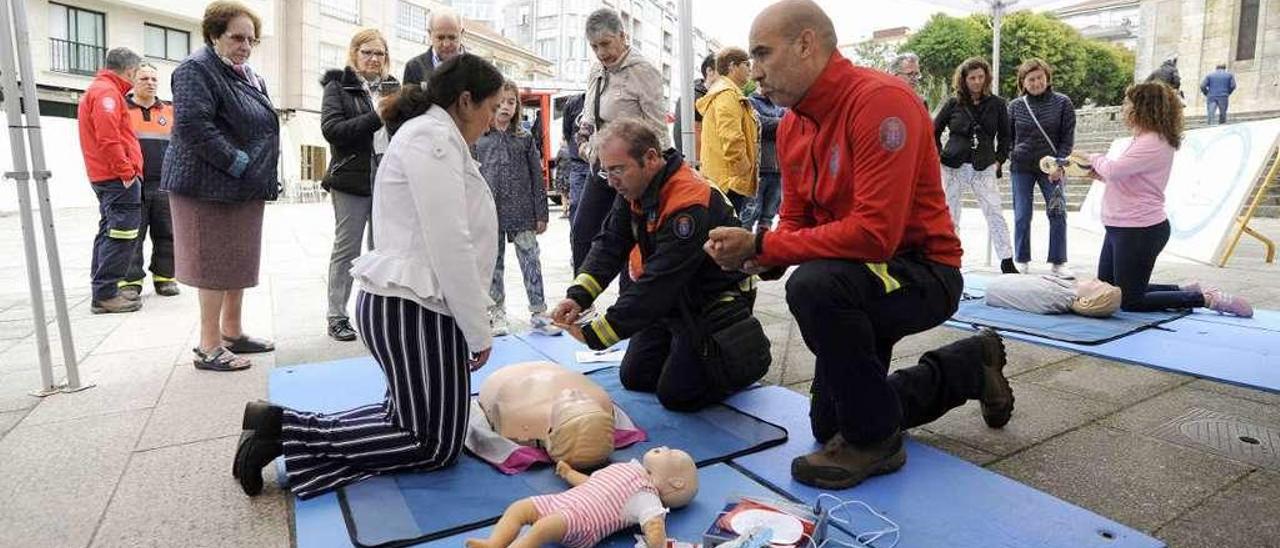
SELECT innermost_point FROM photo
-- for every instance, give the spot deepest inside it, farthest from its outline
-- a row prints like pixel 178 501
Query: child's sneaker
pixel 542 325
pixel 1226 303
pixel 498 325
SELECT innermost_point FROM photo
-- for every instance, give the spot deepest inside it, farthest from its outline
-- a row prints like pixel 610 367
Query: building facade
pixel 487 12
pixel 300 40
pixel 1115 21
pixel 1242 34
pixel 555 30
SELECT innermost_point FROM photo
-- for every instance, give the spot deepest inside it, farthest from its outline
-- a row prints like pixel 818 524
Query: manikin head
pixel 674 474
pixel 581 431
pixel 1096 298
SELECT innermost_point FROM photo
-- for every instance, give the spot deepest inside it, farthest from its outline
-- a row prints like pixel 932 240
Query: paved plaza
pixel 143 459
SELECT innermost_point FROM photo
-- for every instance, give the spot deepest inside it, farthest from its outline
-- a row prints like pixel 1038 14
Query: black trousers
pixel 850 315
pixel 157 220
pixel 663 359
pixel 590 210
pixel 1128 257
pixel 118 211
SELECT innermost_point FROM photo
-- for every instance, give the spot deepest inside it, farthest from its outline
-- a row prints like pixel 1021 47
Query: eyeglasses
pixel 374 54
pixel 615 171
pixel 251 41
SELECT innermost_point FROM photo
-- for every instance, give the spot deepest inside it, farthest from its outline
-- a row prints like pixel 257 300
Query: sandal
pixel 245 344
pixel 220 360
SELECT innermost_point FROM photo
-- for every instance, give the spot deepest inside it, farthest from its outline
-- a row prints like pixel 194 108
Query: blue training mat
pixel 564 350
pixel 1063 327
pixel 405 508
pixel 717 484
pixel 937 499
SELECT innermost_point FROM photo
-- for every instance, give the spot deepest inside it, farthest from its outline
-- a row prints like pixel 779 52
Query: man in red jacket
pixel 864 217
pixel 113 161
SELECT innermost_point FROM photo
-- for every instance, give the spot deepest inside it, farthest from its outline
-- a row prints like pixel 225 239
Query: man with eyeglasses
pixel 906 66
pixel 656 231
pixel 445 28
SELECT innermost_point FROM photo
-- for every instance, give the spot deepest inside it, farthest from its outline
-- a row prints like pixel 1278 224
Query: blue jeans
pixel 744 207
pixel 1219 104
pixel 1128 257
pixel 768 197
pixel 1023 184
pixel 578 174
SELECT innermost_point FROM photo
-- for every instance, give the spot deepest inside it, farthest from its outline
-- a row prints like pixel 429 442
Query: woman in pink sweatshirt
pixel 1133 208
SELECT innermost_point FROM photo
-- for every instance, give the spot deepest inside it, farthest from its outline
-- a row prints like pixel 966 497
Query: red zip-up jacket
pixel 860 174
pixel 110 147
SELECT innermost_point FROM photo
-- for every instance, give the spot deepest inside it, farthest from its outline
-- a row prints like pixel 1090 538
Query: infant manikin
pixel 1043 294
pixel 545 403
pixel 610 499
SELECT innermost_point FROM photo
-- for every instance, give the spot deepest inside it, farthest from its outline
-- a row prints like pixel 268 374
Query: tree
pixel 872 54
pixel 1083 69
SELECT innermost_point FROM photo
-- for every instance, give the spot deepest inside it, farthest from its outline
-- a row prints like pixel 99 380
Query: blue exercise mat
pixel 937 499
pixel 1063 327
pixel 403 509
pixel 564 350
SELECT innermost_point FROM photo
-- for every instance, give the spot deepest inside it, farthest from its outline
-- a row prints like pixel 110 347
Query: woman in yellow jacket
pixel 730 151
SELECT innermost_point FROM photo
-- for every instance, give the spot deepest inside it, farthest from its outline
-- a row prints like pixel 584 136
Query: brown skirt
pixel 216 245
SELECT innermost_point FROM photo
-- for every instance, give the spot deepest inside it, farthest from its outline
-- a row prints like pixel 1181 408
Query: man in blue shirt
pixel 1217 87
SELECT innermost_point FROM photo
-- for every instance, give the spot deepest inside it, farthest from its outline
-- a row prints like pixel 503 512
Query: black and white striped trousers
pixel 420 425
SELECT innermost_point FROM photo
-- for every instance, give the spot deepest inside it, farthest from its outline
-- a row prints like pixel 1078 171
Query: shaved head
pixel 790 18
pixel 790 44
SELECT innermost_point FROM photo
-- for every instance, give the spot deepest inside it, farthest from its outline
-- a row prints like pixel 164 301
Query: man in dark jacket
pixel 350 123
pixel 656 230
pixel 445 28
pixel 579 169
pixel 700 86
pixel 769 192
pixel 113 161
pixel 1217 88
pixel 865 220
pixel 1168 73
pixel 152 121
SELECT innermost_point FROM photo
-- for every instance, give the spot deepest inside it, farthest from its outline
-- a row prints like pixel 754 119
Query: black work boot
pixel 840 465
pixel 997 397
pixel 340 330
pixel 168 289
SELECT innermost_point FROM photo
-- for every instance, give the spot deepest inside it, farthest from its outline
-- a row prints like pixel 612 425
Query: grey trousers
pixel 351 215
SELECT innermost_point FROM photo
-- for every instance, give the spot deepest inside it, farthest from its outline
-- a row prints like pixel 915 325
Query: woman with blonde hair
pixel 1133 207
pixel 977 144
pixel 357 139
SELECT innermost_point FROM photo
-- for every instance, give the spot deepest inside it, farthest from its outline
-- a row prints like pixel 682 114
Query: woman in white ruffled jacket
pixel 422 304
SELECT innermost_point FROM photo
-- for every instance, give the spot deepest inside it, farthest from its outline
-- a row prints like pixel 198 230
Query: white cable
pixel 863 539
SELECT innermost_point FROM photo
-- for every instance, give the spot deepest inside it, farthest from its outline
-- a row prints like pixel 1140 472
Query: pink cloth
pixel 593 510
pixel 1135 179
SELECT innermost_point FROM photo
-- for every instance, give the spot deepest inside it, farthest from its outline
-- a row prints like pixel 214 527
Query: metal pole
pixel 686 87
pixel 41 173
pixel 997 15
pixel 21 175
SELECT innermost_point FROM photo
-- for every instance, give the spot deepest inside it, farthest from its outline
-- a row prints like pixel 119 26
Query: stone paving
pixel 142 459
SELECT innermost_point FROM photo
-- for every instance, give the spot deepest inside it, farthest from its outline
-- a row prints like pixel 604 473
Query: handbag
pixel 730 344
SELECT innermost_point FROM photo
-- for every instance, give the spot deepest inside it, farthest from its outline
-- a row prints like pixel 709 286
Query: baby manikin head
pixel 674 474
pixel 1096 298
pixel 581 431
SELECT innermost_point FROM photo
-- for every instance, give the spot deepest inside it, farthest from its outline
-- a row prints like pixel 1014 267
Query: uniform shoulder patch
pixel 893 134
pixel 683 226
pixel 109 104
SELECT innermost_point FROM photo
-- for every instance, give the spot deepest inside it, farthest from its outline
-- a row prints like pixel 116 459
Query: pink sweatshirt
pixel 1135 181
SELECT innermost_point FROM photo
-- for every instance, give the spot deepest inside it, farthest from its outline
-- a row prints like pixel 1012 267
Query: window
pixel 548 22
pixel 668 41
pixel 313 162
pixel 344 10
pixel 331 56
pixel 573 52
pixel 411 22
pixel 166 43
pixel 547 48
pixel 1247 33
pixel 77 40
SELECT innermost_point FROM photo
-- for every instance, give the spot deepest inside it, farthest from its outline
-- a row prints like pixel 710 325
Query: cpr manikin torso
pixel 544 403
pixel 1053 295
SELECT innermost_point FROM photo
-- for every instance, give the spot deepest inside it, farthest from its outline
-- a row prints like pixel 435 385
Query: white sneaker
pixel 1062 271
pixel 541 324
pixel 498 325
pixel 1024 268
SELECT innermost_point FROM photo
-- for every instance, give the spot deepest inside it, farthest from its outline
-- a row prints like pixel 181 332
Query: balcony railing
pixel 75 57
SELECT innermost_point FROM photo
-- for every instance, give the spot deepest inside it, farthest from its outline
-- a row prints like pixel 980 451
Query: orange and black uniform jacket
pixel 152 126
pixel 659 240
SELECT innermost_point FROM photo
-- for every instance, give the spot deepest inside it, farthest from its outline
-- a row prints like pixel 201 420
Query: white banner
pixel 1213 172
